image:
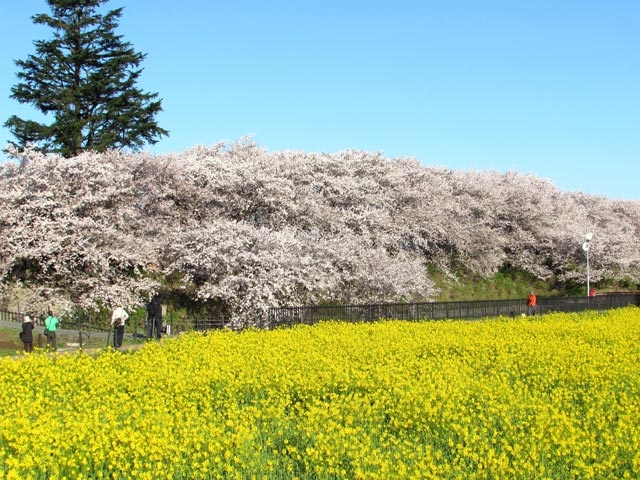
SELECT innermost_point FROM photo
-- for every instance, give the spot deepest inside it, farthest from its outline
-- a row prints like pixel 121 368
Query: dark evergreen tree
pixel 85 76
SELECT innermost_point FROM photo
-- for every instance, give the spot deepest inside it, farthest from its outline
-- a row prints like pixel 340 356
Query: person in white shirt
pixel 118 318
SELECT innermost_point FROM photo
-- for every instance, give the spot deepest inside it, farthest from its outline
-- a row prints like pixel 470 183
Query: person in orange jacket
pixel 532 302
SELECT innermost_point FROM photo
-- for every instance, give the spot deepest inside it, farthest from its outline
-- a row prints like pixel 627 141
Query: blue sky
pixel 550 88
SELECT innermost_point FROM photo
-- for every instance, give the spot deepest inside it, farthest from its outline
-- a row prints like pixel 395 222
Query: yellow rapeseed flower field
pixel 550 397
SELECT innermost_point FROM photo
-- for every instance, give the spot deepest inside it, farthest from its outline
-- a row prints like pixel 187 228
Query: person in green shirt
pixel 50 327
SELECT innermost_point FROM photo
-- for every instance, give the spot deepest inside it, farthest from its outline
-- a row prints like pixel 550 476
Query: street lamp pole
pixel 585 246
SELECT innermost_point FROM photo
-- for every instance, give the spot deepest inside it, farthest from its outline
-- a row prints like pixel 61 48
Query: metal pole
pixel 588 290
pixel 586 246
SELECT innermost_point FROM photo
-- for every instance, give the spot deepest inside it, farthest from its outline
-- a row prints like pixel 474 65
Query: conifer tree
pixel 85 76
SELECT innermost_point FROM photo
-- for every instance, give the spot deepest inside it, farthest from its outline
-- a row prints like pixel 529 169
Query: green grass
pixel 510 283
pixel 502 286
pixel 10 343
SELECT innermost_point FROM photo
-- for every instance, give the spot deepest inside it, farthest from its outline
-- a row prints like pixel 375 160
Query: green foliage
pixel 511 283
pixel 85 76
pixel 137 320
pixel 506 284
pixel 612 285
pixel 629 284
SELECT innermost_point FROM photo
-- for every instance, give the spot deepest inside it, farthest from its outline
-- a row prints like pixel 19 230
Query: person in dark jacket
pixel 26 335
pixel 154 316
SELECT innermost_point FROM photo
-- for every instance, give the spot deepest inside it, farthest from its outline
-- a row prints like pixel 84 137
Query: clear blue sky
pixel 547 87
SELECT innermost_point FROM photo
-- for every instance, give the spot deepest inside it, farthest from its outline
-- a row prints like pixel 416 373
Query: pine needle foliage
pixel 85 77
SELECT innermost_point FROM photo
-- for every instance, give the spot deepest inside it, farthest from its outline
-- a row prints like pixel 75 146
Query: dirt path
pixel 68 340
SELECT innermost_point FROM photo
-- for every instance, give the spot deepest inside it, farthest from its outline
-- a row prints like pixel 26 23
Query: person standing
pixel 118 319
pixel 26 335
pixel 532 302
pixel 50 328
pixel 154 317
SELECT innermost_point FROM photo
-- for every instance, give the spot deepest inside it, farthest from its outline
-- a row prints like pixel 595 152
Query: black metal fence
pixel 200 324
pixel 474 309
pixel 289 316
pixel 6 316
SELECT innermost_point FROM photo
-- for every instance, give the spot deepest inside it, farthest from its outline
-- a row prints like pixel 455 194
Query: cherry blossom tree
pixel 246 229
pixel 71 231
